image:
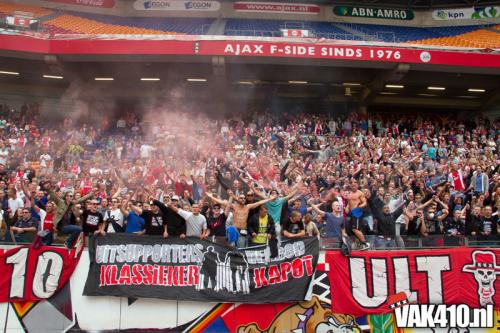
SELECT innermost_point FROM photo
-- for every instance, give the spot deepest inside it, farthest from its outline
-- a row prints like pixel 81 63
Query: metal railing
pixel 415 242
pixel 380 243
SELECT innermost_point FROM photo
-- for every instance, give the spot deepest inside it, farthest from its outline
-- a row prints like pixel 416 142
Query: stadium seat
pixel 479 38
pixel 9 8
pixel 192 26
pixel 78 25
pixel 459 36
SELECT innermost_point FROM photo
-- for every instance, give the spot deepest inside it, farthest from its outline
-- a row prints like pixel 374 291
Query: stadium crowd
pixel 381 180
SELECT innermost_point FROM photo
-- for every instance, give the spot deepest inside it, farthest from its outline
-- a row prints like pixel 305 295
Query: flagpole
pixel 6 317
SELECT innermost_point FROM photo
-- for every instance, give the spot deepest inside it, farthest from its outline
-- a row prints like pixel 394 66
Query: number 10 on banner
pixel 48 270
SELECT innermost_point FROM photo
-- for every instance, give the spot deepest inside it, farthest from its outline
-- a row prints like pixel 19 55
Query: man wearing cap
pixel 92 220
pixel 216 219
pixel 175 221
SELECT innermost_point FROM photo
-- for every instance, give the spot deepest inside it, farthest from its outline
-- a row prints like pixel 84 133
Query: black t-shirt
pixel 91 221
pixel 217 225
pixel 293 228
pixel 414 226
pixel 176 224
pixel 153 223
pixel 488 225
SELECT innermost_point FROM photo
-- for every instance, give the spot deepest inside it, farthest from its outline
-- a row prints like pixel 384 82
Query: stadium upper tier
pixel 65 22
pixel 9 8
pixel 462 36
pixel 192 26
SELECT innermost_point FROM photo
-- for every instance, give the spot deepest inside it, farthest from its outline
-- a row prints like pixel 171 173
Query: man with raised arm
pixel 356 202
pixel 196 223
pixel 155 220
pixel 240 214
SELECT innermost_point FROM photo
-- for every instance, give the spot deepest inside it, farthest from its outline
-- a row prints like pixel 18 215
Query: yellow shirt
pixel 261 237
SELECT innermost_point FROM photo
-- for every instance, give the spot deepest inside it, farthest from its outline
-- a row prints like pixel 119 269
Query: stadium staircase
pixel 217 28
pixel 354 32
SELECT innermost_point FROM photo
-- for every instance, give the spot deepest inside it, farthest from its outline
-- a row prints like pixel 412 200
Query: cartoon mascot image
pixel 485 270
pixel 307 317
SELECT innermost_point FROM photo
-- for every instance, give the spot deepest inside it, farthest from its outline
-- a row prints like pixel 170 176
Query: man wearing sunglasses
pixel 92 220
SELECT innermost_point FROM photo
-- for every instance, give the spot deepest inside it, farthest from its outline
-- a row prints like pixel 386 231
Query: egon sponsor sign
pixel 177 5
pixel 276 7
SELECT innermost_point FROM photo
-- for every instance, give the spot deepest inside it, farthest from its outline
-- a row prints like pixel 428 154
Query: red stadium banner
pixel 194 45
pixel 19 21
pixel 29 274
pixel 366 282
pixel 295 32
pixel 347 52
pixel 276 7
pixel 88 3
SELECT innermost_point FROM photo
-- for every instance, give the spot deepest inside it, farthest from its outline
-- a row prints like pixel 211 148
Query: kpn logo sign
pixel 408 315
pixel 472 13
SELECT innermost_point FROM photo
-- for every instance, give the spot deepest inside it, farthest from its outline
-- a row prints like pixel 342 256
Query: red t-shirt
pixel 457 181
pixel 48 222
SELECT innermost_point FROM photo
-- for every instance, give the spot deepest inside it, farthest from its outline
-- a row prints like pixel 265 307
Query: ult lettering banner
pixel 194 270
pixel 374 282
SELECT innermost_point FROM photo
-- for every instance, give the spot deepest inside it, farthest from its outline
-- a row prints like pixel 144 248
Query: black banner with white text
pixel 196 270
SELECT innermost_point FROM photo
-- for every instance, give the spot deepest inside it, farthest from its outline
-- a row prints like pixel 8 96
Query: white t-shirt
pixel 195 224
pixel 115 214
pixel 146 151
pixel 44 160
pixel 121 123
pixel 14 205
pixel 4 154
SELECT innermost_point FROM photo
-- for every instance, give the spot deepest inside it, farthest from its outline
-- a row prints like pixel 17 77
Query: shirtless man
pixel 356 202
pixel 240 214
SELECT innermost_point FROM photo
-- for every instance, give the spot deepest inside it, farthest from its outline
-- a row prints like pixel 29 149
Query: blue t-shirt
pixel 135 223
pixel 274 209
pixel 432 153
pixel 334 225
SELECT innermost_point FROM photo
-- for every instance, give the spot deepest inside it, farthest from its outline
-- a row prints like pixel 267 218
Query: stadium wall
pixel 69 311
pixel 126 8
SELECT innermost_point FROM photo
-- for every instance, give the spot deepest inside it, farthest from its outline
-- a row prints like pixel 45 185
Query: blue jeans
pixel 368 221
pixel 48 239
pixel 384 243
pixel 74 232
pixel 242 242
